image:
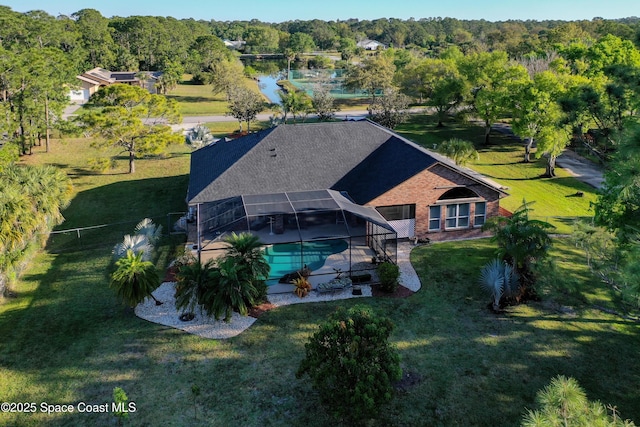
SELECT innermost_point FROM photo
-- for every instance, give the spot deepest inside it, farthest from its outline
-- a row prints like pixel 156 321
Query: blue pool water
pixel 286 258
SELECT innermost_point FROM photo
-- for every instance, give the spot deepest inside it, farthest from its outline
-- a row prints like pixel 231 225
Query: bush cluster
pixel 388 274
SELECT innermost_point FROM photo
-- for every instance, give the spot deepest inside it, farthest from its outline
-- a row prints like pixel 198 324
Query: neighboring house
pixel 420 193
pixel 92 80
pixel 367 44
pixel 235 44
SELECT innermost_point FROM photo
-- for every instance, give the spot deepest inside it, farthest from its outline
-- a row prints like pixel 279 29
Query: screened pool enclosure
pixel 320 229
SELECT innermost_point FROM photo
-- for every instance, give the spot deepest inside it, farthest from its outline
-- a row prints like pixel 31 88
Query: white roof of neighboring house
pixel 370 43
pixel 235 44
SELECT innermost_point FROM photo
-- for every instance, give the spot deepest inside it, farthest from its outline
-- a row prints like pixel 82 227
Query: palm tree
pixel 134 279
pixel 18 221
pixel 499 279
pixel 147 228
pixel 232 289
pixel 193 278
pixel 461 152
pixel 246 251
pixel 521 242
pixel 234 282
pixel 138 244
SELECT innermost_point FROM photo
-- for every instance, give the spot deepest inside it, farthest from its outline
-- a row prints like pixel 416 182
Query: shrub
pixel 302 286
pixel 120 398
pixel 101 164
pixel 388 274
pixel 351 363
pixel 499 279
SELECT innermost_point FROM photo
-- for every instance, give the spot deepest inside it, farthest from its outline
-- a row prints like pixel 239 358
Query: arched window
pixel 459 193
pixel 461 212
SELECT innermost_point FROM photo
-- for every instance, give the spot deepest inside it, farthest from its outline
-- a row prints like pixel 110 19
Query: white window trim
pixel 435 230
pixel 459 201
pixel 475 215
pixel 457 217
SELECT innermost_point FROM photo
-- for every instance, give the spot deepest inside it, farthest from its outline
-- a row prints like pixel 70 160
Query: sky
pixel 331 10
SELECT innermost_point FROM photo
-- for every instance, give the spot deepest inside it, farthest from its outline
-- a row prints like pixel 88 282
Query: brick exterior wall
pixel 425 188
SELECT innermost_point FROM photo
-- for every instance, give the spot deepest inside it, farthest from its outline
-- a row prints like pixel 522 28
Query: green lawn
pixel 65 339
pixel 502 162
pixel 199 100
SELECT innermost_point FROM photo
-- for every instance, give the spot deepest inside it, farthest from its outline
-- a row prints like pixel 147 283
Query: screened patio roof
pixel 305 202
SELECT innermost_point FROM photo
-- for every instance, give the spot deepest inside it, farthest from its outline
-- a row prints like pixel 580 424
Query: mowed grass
pixel 115 199
pixel 466 366
pixel 67 340
pixel 553 199
pixel 199 100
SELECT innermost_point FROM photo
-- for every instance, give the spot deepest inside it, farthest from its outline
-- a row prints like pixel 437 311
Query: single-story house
pixel 92 80
pixel 419 193
pixel 367 44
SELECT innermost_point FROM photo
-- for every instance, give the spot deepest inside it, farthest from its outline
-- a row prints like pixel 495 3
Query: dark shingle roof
pixel 360 157
pixel 389 165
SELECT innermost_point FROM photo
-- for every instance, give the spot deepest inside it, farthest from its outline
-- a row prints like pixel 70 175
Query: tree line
pixel 154 43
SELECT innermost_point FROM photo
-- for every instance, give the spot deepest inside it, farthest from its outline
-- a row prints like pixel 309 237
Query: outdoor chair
pixel 334 285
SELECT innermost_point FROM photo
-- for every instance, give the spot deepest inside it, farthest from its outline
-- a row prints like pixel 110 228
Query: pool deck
pixel 207 327
pixel 333 263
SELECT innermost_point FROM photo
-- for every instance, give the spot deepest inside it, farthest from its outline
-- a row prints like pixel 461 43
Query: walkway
pixel 206 327
pixel 579 167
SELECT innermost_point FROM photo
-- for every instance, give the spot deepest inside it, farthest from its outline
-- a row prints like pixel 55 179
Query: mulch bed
pixel 170 274
pixel 259 310
pixel 400 292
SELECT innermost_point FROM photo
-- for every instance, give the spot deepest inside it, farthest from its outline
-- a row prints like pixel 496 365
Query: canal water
pixel 269 88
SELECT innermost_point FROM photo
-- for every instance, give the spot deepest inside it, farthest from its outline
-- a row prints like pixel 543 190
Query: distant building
pixel 367 44
pixel 235 44
pixel 92 80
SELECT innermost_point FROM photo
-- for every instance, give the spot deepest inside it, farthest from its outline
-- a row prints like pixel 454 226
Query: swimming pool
pixel 287 257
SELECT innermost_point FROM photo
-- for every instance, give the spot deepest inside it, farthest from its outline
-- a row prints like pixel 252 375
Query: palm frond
pixel 492 280
pixel 147 228
pixel 138 244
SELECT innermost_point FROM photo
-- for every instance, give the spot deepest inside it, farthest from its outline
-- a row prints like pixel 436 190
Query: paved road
pixel 577 166
pixel 582 169
pixel 189 122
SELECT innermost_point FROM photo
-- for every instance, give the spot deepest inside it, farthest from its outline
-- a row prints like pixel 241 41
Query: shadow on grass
pixel 120 206
pixel 572 184
pixel 191 99
pixel 475 368
pixel 521 350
